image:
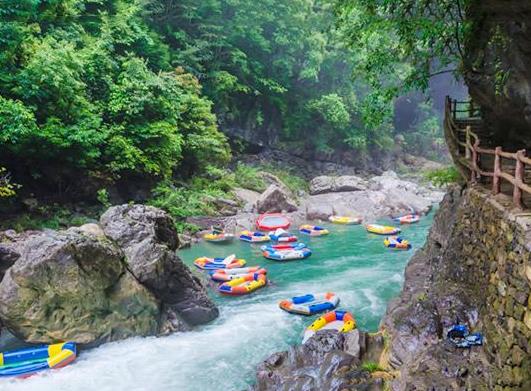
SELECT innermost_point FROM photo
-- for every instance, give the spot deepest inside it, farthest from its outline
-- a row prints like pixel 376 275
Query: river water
pixel 223 355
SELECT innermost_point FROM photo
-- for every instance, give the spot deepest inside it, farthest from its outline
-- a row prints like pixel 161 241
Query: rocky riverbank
pixel 474 269
pixel 350 195
pixel 99 282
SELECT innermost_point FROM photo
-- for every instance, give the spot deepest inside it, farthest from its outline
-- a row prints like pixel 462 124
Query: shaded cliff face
pixel 474 269
pixel 498 69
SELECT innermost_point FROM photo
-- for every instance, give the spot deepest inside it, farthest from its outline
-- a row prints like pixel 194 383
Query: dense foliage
pixel 87 93
pixel 400 45
pixel 102 95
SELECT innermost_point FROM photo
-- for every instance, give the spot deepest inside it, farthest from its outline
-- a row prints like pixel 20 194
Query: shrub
pixel 443 176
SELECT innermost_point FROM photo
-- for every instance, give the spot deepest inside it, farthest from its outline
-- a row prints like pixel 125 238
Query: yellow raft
pixel 382 229
pixel 344 220
pixel 341 321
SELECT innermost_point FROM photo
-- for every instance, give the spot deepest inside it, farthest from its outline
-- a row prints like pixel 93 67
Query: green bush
pixel 249 177
pixel 371 366
pixel 443 176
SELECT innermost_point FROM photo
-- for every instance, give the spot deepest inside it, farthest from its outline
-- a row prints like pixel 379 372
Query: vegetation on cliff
pixel 109 99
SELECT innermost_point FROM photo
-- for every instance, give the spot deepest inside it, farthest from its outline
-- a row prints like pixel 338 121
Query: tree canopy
pixel 106 91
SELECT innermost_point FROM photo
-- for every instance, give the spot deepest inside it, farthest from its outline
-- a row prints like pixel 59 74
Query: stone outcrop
pixel 70 286
pixel 328 361
pixel 93 284
pixel 472 270
pixel 330 184
pixel 383 196
pixel 148 238
pixel 497 66
pixel 275 199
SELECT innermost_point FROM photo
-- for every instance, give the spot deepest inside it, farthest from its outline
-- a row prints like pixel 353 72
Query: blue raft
pixel 25 362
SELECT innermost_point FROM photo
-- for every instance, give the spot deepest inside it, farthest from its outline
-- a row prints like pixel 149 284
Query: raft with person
pixel 310 304
pixel 254 237
pixel 230 262
pixel 28 361
pixel 313 230
pixel 221 237
pixel 282 236
pixel 382 229
pixel 407 219
pixel 224 275
pixel 243 285
pixel 397 243
pixel 345 220
pixel 286 252
pixel 272 221
pixel 340 321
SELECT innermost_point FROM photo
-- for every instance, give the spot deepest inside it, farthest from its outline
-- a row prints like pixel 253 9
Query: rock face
pixel 69 286
pixel 323 363
pixel 382 196
pixel 498 70
pixel 471 270
pixel 275 199
pixel 149 240
pixel 330 184
pixel 95 284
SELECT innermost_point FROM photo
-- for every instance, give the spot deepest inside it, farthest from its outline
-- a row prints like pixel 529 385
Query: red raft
pixel 272 222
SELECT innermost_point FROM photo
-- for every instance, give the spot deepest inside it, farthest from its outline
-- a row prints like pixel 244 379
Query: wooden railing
pixel 468 153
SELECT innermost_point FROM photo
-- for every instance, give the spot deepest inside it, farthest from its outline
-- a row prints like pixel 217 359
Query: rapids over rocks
pixel 223 355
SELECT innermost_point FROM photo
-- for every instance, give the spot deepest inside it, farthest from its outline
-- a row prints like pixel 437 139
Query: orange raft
pixel 341 321
pixel 243 285
pixel 231 262
pixel 224 275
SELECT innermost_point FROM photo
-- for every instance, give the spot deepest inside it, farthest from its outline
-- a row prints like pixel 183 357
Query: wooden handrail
pixel 470 158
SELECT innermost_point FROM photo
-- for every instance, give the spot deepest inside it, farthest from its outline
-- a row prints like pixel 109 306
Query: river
pixel 223 355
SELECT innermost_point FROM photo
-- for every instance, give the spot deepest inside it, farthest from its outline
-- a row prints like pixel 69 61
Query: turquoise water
pixel 223 355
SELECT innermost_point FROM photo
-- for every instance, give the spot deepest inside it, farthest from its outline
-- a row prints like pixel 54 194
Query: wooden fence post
pixel 467 142
pixel 497 170
pixel 519 173
pixel 475 170
pixel 454 110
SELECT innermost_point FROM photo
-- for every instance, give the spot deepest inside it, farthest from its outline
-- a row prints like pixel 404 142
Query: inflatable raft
pixel 25 362
pixel 340 321
pixel 313 230
pixel 243 285
pixel 218 238
pixel 230 262
pixel 345 220
pixel 282 236
pixel 310 304
pixel 254 237
pixel 286 252
pixel 407 219
pixel 396 243
pixel 224 275
pixel 382 229
pixel 272 221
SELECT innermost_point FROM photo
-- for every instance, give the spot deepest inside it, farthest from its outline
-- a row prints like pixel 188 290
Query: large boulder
pixel 275 199
pixel 247 197
pixel 74 286
pixel 330 184
pixel 148 239
pixel 322 363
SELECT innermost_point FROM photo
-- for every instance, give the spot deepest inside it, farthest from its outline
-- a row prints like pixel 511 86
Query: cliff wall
pixel 475 268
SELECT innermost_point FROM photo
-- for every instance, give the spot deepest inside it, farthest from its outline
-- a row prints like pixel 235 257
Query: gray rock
pixel 72 286
pixel 330 184
pixel 248 198
pixel 148 239
pixel 274 199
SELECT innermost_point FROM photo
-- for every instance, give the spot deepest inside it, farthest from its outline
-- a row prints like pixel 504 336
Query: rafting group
pixel 235 279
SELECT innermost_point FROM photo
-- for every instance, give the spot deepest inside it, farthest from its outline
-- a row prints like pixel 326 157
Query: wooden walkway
pixel 505 172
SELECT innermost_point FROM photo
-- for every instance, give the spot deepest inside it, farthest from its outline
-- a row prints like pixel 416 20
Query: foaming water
pixel 223 355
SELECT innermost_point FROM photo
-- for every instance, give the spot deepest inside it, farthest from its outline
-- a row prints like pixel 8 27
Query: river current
pixel 223 354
